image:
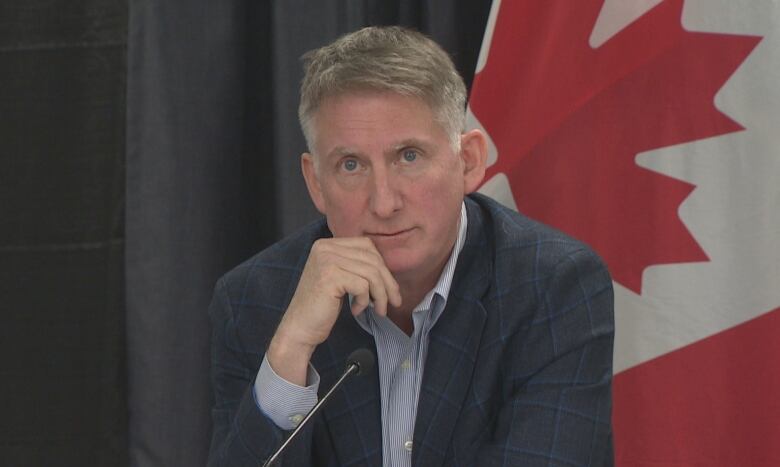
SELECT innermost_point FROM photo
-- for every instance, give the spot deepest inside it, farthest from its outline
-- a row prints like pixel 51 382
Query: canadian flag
pixel 650 129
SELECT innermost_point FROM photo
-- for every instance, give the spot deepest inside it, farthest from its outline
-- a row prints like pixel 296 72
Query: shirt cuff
pixel 283 402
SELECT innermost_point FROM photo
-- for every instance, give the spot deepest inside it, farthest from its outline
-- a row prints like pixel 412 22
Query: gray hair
pixel 384 59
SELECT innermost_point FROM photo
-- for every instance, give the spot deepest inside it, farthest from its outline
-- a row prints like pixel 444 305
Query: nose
pixel 385 197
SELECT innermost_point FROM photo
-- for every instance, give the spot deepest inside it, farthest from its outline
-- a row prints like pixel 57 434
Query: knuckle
pixel 321 245
pixel 329 272
pixel 376 278
pixel 366 243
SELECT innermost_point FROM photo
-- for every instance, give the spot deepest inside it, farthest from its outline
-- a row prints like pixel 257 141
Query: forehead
pixel 377 104
pixel 375 119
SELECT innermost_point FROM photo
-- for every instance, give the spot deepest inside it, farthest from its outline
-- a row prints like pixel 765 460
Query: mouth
pixel 397 233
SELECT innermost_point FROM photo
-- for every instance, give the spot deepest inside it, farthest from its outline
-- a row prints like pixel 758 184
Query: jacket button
pixel 296 419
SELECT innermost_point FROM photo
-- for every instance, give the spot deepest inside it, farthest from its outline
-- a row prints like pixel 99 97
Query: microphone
pixel 359 362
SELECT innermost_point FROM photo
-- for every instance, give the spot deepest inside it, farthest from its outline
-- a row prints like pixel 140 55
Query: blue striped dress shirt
pixel 400 362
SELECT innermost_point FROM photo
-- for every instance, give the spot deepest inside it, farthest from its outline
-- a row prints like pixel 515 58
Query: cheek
pixel 343 213
pixel 446 187
pixel 441 199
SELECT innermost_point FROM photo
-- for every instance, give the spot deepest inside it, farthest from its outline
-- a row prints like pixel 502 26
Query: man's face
pixel 383 168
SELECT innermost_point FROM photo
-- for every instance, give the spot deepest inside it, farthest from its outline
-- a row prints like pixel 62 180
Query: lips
pixel 396 238
pixel 388 234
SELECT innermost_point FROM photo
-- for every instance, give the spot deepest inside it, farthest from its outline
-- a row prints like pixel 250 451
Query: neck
pixel 412 292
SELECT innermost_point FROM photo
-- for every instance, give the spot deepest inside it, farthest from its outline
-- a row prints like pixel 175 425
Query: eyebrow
pixel 342 151
pixel 414 142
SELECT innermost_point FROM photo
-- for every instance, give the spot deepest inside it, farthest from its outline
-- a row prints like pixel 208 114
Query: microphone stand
pixel 356 360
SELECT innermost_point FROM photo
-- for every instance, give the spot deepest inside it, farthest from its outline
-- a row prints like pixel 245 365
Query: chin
pixel 400 264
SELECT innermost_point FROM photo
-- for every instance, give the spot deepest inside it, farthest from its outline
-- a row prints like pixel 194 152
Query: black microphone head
pixel 363 359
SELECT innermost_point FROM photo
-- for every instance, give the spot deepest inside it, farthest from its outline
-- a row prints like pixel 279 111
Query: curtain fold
pixel 185 219
pixel 62 348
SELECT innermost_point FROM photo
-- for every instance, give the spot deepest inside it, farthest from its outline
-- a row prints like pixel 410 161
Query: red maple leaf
pixel 568 121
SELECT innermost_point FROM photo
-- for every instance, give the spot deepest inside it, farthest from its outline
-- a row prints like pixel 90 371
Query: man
pixel 493 333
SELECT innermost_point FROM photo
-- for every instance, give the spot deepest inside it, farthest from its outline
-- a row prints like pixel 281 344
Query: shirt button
pixel 296 419
pixel 406 365
pixel 408 446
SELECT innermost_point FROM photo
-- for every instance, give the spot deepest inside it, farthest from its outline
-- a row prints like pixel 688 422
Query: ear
pixel 309 169
pixel 473 152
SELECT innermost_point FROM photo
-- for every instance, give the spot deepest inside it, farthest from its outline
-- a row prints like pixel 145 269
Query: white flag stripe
pixel 616 15
pixel 734 212
pixel 487 39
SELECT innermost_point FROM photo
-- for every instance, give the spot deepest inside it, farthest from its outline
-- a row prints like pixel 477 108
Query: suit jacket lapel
pixel 452 349
pixel 354 414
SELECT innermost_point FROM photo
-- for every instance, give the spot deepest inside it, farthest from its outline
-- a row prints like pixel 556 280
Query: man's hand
pixel 335 267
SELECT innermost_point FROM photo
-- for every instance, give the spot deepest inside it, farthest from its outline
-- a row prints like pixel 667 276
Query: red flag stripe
pixel 710 404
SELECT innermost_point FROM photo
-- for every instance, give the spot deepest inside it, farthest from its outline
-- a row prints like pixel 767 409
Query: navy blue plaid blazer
pixel 518 371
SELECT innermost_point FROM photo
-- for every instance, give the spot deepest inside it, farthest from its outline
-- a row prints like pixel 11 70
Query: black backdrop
pixel 62 124
pixel 117 219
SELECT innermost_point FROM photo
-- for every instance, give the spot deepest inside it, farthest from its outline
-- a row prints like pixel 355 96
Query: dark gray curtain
pixel 62 341
pixel 213 175
pixel 185 221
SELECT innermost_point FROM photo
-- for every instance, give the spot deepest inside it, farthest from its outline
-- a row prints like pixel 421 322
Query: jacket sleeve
pixel 241 434
pixel 557 402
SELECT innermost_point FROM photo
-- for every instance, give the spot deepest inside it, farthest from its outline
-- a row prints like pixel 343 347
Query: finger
pixel 391 285
pixel 363 250
pixel 372 278
pixel 354 247
pixel 359 289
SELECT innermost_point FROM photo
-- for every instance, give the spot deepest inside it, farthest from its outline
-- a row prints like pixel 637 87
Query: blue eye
pixel 410 155
pixel 350 165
